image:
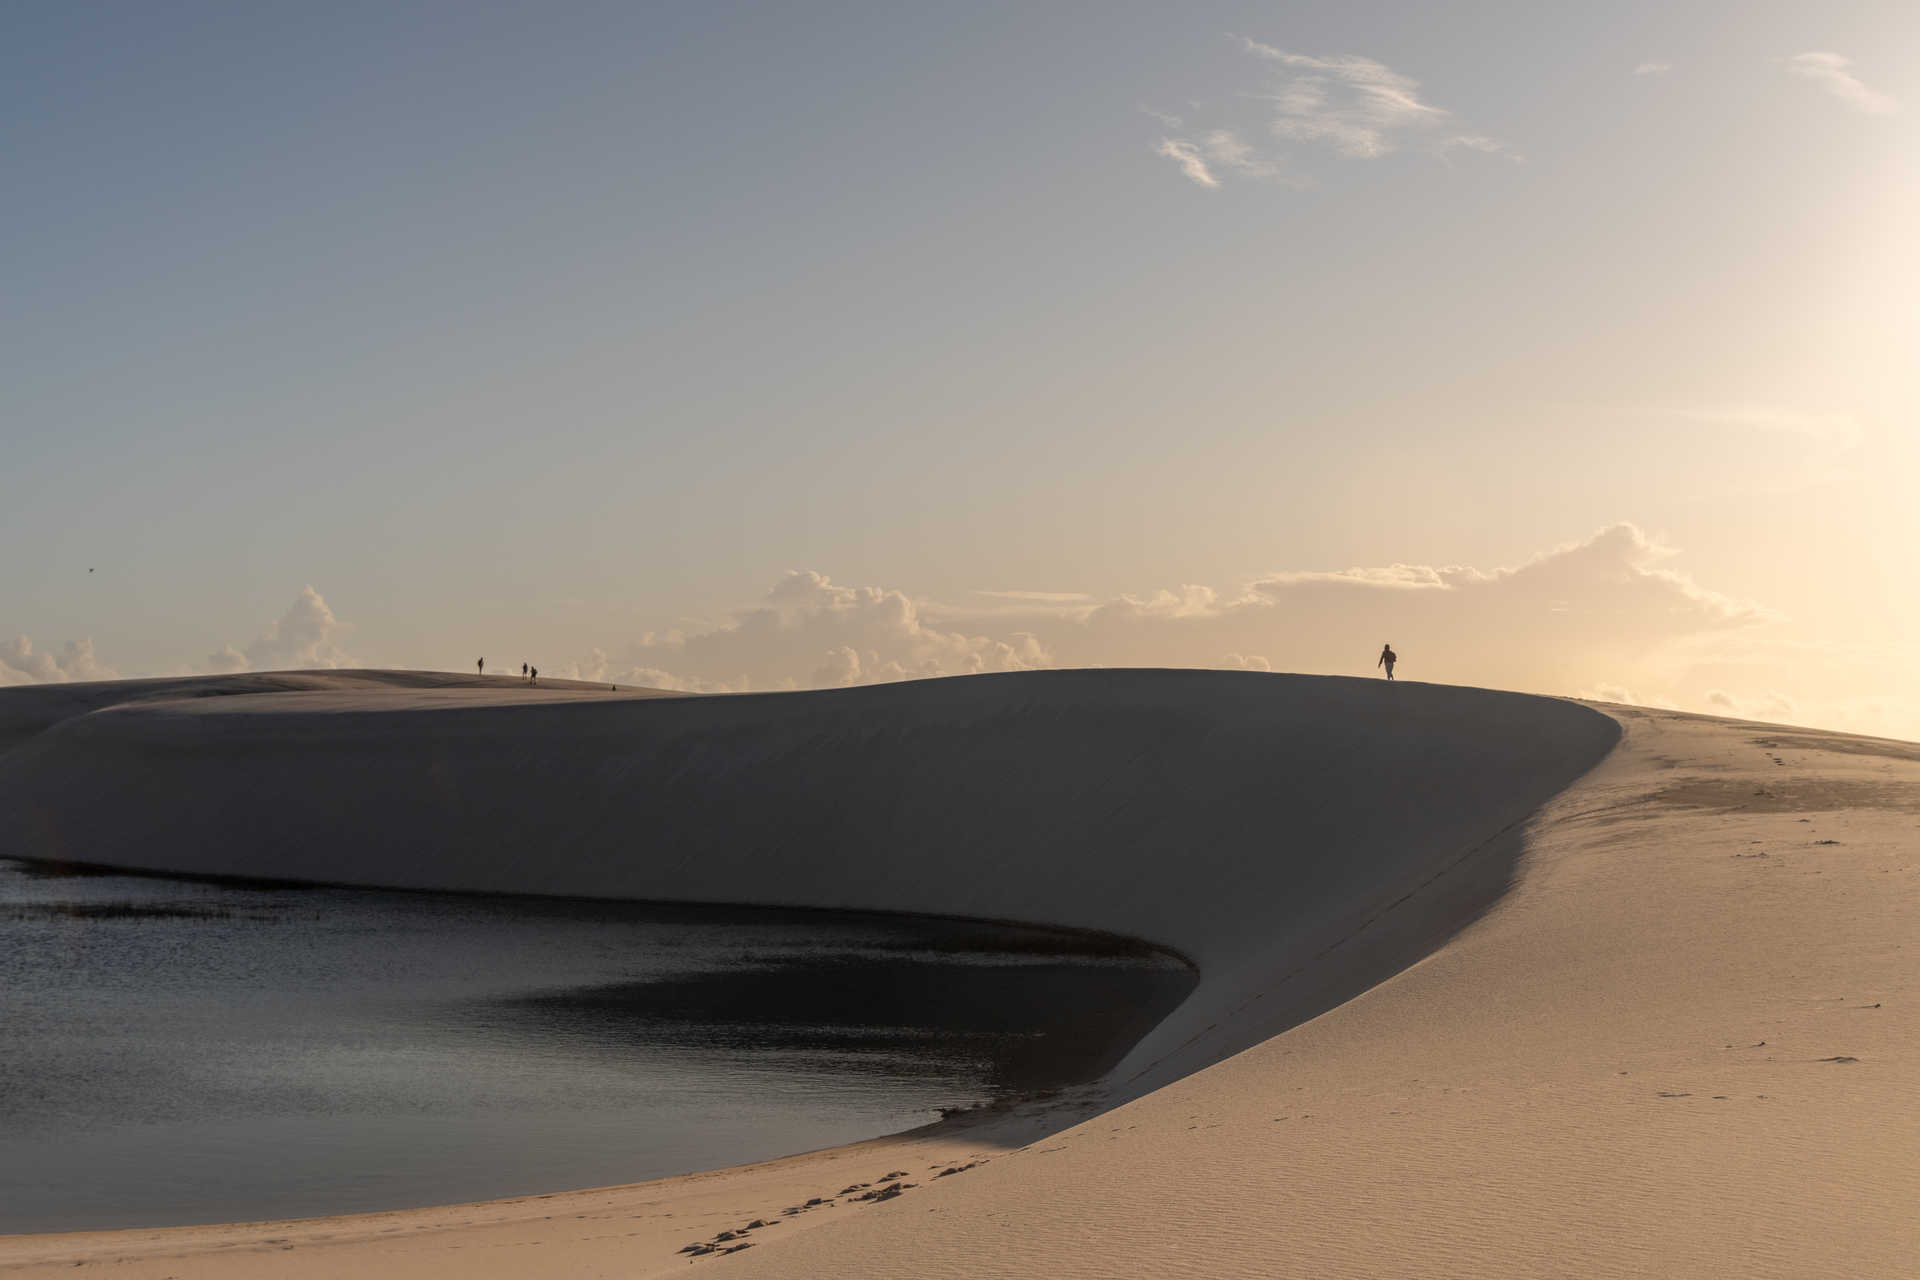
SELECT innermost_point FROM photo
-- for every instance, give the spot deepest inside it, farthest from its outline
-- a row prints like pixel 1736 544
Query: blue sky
pixel 536 329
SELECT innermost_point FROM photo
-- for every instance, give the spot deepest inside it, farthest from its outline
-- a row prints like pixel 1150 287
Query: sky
pixel 1571 349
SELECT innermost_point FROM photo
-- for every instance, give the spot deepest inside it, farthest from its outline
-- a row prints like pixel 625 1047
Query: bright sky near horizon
pixel 1570 348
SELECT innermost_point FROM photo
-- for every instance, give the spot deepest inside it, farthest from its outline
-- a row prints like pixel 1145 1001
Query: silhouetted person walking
pixel 533 674
pixel 481 666
pixel 1387 658
pixel 523 671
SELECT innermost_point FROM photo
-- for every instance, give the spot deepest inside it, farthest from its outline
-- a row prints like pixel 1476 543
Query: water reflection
pixel 181 1052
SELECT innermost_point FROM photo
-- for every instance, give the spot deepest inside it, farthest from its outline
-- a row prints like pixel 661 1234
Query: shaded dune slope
pixel 31 709
pixel 1263 826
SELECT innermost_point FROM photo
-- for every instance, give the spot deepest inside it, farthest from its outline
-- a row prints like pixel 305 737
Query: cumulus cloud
pixel 1548 624
pixel 1551 624
pixel 1356 107
pixel 811 632
pixel 306 636
pixel 1043 597
pixel 1830 72
pixel 599 667
pixel 21 663
pixel 842 668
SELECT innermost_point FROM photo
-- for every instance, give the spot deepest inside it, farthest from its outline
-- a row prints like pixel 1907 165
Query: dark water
pixel 175 1052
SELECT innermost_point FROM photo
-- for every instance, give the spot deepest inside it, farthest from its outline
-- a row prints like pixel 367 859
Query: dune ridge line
pixel 1252 823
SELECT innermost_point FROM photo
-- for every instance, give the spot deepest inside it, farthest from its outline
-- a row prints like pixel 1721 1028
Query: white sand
pixel 1625 1067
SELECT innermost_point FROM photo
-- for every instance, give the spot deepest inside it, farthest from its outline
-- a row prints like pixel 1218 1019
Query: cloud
pixel 598 667
pixel 1549 625
pixel 1829 71
pixel 1225 150
pixel 1188 157
pixel 811 632
pixel 842 668
pixel 1478 142
pixel 306 636
pixel 1217 152
pixel 1037 597
pixel 1556 623
pixel 1781 673
pixel 1653 68
pixel 1356 107
pixel 21 663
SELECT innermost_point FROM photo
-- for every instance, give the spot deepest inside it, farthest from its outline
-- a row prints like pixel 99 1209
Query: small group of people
pixel 527 673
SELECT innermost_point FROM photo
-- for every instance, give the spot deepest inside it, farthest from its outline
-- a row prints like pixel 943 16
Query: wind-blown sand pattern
pixel 1487 988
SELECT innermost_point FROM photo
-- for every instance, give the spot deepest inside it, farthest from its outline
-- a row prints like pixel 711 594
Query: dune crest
pixel 1659 1024
pixel 1253 823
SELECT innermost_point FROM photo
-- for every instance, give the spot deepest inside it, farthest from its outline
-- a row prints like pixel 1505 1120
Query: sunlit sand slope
pixel 1253 823
pixel 1683 1045
pixel 1679 1044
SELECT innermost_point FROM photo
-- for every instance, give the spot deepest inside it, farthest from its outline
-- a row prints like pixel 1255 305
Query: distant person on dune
pixel 533 674
pixel 1387 658
pixel 523 671
pixel 481 666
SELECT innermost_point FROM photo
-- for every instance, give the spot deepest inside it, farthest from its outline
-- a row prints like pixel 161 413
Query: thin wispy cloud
pixel 1653 68
pixel 1219 153
pixel 1227 151
pixel 1355 107
pixel 1188 157
pixel 1477 142
pixel 1830 72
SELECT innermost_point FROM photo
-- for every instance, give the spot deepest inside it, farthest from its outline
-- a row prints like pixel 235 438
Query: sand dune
pixel 1248 822
pixel 1486 1009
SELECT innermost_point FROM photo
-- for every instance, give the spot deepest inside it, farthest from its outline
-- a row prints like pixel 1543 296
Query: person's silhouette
pixel 481 666
pixel 533 675
pixel 523 671
pixel 1387 658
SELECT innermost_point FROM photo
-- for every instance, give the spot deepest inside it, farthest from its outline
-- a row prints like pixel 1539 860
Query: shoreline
pixel 1112 739
pixel 609 1043
pixel 1137 803
pixel 651 1213
pixel 1100 941
pixel 1657 1022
